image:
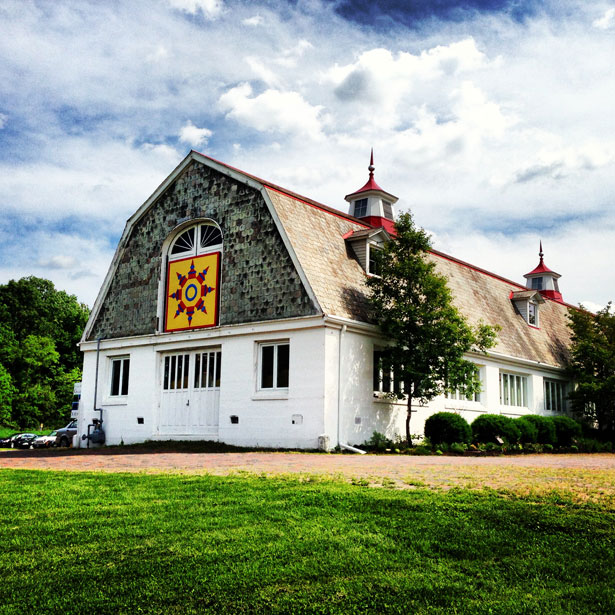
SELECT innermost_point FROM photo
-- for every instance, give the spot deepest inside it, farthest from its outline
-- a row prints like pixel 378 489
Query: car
pixel 64 436
pixel 25 440
pixel 9 441
pixel 46 441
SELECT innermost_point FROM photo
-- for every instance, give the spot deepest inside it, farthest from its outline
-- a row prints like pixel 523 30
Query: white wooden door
pixel 190 397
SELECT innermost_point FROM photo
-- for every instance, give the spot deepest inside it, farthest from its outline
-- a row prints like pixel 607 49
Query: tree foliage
pixel 428 337
pixel 39 357
pixel 592 367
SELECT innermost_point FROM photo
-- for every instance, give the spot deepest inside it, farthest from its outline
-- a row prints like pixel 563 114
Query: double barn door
pixel 190 397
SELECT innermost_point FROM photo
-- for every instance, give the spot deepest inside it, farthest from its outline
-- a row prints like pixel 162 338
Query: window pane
pixel 210 236
pixel 115 377
pixel 376 369
pixel 184 243
pixel 126 371
pixel 267 367
pixel 547 395
pixel 166 373
pixel 173 370
pixel 186 370
pixel 218 366
pixel 180 365
pixel 204 368
pixel 212 369
pixel 197 370
pixel 283 356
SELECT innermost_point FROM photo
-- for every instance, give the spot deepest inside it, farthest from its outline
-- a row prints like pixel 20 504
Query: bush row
pixel 448 428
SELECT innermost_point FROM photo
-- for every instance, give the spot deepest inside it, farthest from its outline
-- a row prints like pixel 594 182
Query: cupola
pixel 544 280
pixel 372 204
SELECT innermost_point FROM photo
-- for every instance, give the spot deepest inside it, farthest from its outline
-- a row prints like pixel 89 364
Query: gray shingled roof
pixel 337 279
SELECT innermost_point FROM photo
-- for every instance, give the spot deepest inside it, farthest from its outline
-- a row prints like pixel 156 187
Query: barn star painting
pixel 192 293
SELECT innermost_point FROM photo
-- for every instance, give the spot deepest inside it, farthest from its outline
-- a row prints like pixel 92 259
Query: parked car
pixel 9 441
pixel 64 436
pixel 46 441
pixel 25 440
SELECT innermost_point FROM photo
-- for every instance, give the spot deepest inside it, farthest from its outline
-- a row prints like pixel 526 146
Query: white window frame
pixel 536 322
pixel 122 361
pixel 356 205
pixel 379 391
pixel 509 394
pixel 196 249
pixel 260 366
pixel 371 246
pixel 554 395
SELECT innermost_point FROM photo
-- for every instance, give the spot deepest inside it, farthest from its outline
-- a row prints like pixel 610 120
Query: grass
pixel 143 543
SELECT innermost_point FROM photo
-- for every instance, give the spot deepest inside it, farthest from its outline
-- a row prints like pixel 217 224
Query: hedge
pixel 447 427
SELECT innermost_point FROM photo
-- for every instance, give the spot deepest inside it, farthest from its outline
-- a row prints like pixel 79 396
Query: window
pixel 536 283
pixel 532 314
pixel 196 240
pixel 387 209
pixel 360 208
pixel 384 380
pixel 274 362
pixel 513 390
pixel 176 369
pixel 120 371
pixel 555 394
pixel 207 370
pixel 372 264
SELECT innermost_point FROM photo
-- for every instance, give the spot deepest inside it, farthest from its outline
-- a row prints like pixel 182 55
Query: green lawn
pixel 141 543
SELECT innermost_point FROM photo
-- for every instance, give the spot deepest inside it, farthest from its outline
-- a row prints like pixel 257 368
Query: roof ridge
pixel 290 193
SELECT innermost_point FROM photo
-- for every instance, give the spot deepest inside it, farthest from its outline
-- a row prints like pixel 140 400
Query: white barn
pixel 235 310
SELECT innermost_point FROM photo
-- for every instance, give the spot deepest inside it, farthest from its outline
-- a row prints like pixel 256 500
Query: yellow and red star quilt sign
pixel 192 292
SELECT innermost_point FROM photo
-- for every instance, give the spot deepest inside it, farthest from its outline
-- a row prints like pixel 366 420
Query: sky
pixel 492 121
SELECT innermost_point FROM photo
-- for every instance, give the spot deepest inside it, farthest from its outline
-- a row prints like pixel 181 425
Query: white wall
pixel 289 419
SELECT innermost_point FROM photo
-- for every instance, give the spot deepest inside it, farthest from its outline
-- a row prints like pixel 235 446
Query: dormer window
pixel 527 303
pixel 360 208
pixel 372 264
pixel 532 314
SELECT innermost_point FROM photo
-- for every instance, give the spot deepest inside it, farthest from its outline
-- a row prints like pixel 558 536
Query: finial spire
pixel 371 166
pixel 540 253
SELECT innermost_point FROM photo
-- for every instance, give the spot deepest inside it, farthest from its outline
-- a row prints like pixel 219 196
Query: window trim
pixel 363 201
pixel 372 246
pixel 548 383
pixel 525 394
pixel 274 389
pixel 123 379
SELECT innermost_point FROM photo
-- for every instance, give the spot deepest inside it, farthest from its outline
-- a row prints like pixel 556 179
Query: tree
pixel 39 331
pixel 592 367
pixel 427 335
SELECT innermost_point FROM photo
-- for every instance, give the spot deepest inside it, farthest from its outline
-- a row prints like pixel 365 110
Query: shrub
pixel 447 427
pixel 378 442
pixel 488 427
pixel 545 426
pixel 566 430
pixel 458 448
pixel 529 431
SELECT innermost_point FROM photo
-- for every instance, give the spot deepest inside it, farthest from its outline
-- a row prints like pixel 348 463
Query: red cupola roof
pixel 541 267
pixel 371 184
pixel 544 280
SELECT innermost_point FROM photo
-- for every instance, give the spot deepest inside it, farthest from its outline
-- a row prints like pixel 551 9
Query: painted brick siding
pixel 258 279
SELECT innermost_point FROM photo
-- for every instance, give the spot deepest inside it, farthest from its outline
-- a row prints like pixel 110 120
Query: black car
pixel 25 440
pixel 9 441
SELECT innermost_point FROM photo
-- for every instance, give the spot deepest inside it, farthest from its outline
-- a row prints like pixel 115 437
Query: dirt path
pixel 584 477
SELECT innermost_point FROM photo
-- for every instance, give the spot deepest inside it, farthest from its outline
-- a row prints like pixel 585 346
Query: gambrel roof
pixel 315 237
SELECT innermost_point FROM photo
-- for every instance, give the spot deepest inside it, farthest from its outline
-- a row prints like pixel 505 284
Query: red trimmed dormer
pixel 372 204
pixel 544 280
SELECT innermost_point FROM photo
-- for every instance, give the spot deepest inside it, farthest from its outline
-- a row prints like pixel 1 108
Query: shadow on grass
pixel 147 448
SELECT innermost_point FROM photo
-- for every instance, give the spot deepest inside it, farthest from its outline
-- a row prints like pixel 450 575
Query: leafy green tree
pixel 7 392
pixel 39 331
pixel 428 337
pixel 592 367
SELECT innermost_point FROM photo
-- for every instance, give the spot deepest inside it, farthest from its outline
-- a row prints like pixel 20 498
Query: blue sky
pixel 491 120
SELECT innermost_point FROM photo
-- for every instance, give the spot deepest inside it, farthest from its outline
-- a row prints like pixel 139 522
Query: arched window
pixel 198 239
pixel 193 277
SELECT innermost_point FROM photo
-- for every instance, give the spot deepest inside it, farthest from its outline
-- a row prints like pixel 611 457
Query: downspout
pixel 341 444
pixel 98 340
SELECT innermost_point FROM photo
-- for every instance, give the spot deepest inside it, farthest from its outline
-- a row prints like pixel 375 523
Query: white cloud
pixel 272 111
pixel 605 22
pixel 189 133
pixel 59 261
pixel 3 120
pixel 255 20
pixel 209 8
